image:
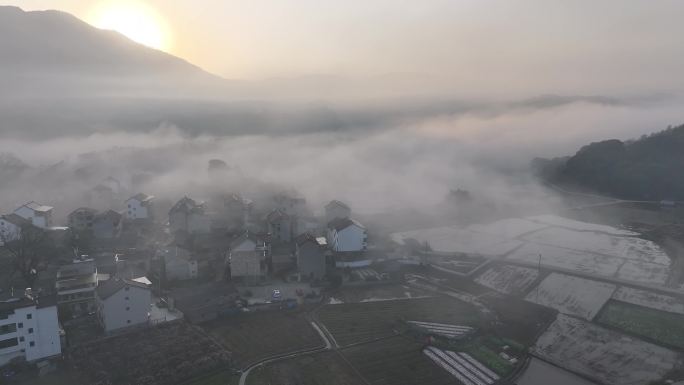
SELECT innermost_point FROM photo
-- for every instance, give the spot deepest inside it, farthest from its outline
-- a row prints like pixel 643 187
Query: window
pixel 11 328
pixel 9 343
pixel 30 331
pixel 29 316
pixel 32 343
pixel 21 339
pixel 128 321
pixel 20 325
pixel 126 298
pixel 128 308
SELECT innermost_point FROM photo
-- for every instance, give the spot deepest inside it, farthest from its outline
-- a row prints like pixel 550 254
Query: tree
pixel 28 249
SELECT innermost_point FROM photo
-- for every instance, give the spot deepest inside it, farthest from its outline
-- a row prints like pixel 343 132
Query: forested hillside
pixel 650 168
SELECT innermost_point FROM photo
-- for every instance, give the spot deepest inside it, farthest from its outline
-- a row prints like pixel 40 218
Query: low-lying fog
pixel 382 165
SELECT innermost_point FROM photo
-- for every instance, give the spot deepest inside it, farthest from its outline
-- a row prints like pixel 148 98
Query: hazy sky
pixel 578 46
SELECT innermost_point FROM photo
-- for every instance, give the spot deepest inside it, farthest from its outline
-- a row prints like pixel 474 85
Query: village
pixel 235 290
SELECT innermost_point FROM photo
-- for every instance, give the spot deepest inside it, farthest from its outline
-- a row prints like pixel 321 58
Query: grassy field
pixel 169 353
pixel 396 361
pixel 518 320
pixel 254 336
pixel 221 378
pixel 316 369
pixel 357 322
pixel 658 326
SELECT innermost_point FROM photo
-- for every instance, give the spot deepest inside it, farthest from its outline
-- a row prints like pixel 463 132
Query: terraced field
pixel 251 337
pixel 396 361
pixel 357 322
pixel 319 369
pixel 661 327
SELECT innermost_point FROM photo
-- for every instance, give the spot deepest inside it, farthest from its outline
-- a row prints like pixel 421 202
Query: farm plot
pixel 639 271
pixel 539 372
pixel 649 299
pixel 251 337
pixel 357 322
pixel 572 295
pixel 348 294
pixel 167 354
pixel 508 279
pixel 571 224
pixel 443 330
pixel 605 355
pixel 518 320
pixel 462 366
pixel 451 240
pixel 396 361
pixel 566 259
pixel 508 228
pixel 658 326
pixel 316 369
pixel 599 243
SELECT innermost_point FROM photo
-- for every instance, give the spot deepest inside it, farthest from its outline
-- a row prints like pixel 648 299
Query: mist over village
pixel 301 192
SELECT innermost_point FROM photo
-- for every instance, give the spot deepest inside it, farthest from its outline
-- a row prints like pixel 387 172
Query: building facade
pixel 139 206
pixel 336 209
pixel 345 234
pixel 82 219
pixel 29 329
pixel 76 284
pixel 39 215
pixel 311 257
pixel 122 303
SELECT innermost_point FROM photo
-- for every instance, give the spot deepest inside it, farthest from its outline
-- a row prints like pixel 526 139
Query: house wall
pixel 41 220
pixel 178 268
pixel 178 221
pixel 105 229
pixel 336 211
pixel 128 307
pixel 41 329
pixel 281 230
pixel 199 224
pixel 351 238
pixel 8 231
pixel 311 260
pixel 136 210
pixel 48 342
pixel 246 264
pixel 81 220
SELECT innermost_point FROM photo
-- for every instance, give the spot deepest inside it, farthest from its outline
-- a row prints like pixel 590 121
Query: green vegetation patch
pixel 254 336
pixel 658 326
pixel 221 378
pixel 358 322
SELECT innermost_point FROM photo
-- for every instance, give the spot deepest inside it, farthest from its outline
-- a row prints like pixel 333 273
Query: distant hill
pixel 53 51
pixel 650 168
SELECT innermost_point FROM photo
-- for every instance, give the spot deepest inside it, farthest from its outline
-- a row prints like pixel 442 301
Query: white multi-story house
pixel 247 258
pixel 10 227
pixel 29 329
pixel 123 303
pixel 336 209
pixel 107 225
pixel 346 234
pixel 279 225
pixel 82 218
pixel 39 215
pixel 139 206
pixel 179 264
pixel 76 284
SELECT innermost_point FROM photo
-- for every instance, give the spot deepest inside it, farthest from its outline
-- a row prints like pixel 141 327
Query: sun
pixel 134 19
